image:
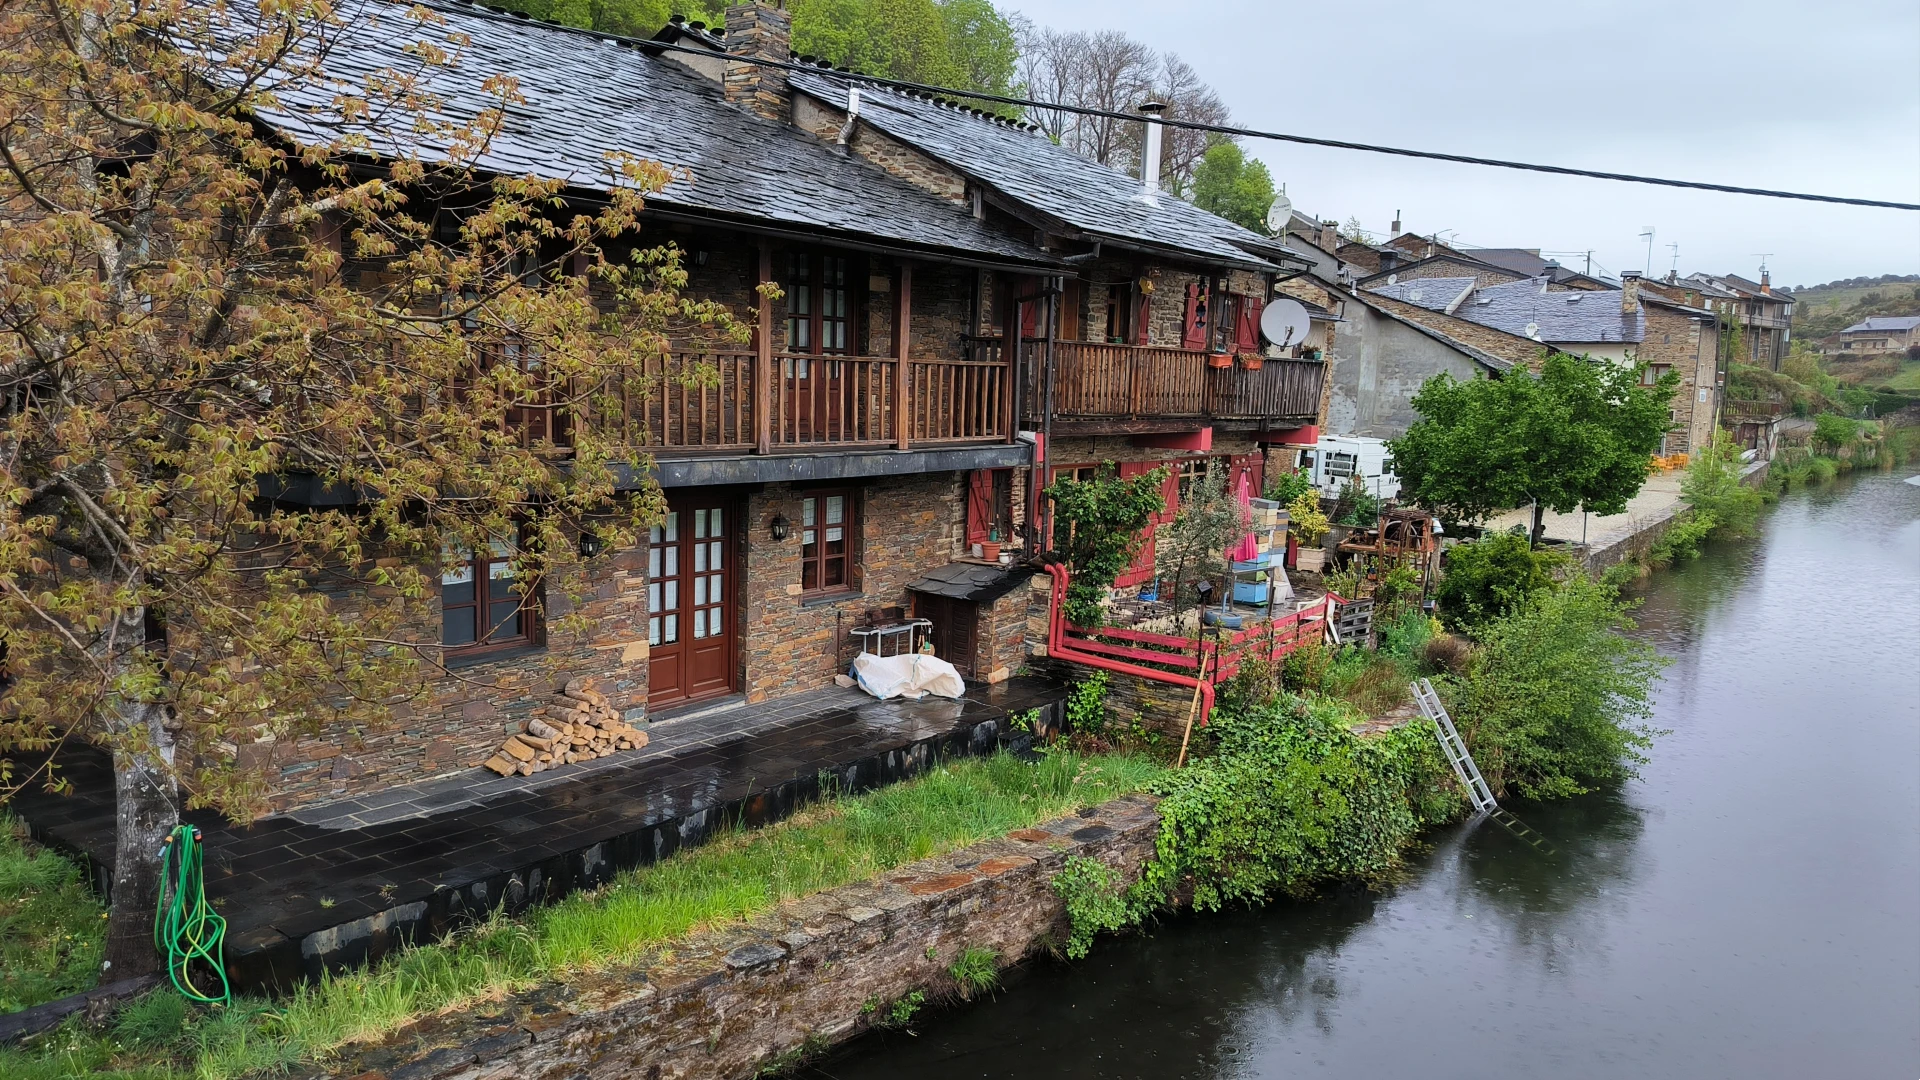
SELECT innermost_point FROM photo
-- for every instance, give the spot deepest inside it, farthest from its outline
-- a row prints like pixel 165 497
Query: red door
pixel 690 601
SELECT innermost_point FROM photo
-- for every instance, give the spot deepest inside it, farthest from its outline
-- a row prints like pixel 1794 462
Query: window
pixel 1226 315
pixel 1342 464
pixel 1119 314
pixel 479 606
pixel 1653 373
pixel 820 313
pixel 827 528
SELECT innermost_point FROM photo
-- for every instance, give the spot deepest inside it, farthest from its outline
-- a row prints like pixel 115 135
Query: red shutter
pixel 1143 318
pixel 979 505
pixel 1141 571
pixel 1247 326
pixel 1193 335
pixel 1030 317
pixel 1253 466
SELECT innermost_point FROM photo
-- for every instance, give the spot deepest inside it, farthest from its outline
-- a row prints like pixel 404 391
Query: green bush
pixel 1557 698
pixel 1095 902
pixel 1097 528
pixel 1490 577
pixel 1683 538
pixel 1833 431
pixel 1712 486
pixel 1285 487
pixel 1291 798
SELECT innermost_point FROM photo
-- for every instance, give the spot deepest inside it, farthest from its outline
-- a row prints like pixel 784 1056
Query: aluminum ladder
pixel 1455 748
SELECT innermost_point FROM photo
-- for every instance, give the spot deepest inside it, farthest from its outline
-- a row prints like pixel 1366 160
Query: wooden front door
pixel 690 601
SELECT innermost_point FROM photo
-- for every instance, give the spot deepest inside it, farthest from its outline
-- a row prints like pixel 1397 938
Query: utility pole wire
pixel 1225 129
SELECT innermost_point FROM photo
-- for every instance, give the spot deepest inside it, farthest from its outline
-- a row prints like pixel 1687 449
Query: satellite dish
pixel 1285 322
pixel 1280 213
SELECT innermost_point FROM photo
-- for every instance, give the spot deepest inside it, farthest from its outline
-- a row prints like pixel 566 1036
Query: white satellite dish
pixel 1285 322
pixel 1280 213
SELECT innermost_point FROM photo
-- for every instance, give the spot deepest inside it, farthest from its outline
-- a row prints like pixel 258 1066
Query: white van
pixel 1339 458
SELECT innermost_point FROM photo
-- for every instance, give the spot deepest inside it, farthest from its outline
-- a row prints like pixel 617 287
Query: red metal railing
pixel 1176 661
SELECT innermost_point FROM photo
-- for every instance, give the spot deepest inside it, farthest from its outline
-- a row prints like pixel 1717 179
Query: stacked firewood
pixel 584 725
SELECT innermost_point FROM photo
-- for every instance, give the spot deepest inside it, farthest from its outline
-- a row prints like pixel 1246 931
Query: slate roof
pixel 587 97
pixel 973 581
pixel 1029 168
pixel 1564 317
pixel 1898 324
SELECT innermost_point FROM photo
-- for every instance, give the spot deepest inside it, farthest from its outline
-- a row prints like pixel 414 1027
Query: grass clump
pixel 735 876
pixel 51 933
pixel 976 972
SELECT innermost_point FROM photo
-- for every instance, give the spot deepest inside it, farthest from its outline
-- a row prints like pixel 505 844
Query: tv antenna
pixel 1646 233
pixel 1675 268
pixel 1763 257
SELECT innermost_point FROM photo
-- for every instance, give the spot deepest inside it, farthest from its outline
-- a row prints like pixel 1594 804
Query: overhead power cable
pixel 1222 129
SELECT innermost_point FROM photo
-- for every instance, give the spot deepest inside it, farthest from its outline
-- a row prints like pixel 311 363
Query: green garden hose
pixel 185 927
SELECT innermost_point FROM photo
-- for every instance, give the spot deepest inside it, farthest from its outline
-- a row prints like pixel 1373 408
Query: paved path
pixel 1655 501
pixel 348 881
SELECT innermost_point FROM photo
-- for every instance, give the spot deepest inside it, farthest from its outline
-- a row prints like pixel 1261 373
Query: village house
pixel 1765 318
pixel 1881 334
pixel 965 311
pixel 1626 325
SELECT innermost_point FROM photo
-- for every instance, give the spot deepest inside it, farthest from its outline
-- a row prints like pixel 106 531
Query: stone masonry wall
pixel 1689 348
pixel 793 642
pixel 899 159
pixel 459 719
pixel 812 973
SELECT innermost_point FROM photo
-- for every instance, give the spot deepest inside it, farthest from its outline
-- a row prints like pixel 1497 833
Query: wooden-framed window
pixel 989 505
pixel 1119 314
pixel 480 609
pixel 1653 373
pixel 822 318
pixel 1226 316
pixel 829 532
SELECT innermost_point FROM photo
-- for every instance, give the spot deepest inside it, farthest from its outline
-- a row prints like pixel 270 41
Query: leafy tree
pixel 1098 527
pixel 1356 232
pixel 180 347
pixel 1192 547
pixel 1579 435
pixel 1557 698
pixel 1236 187
pixel 1492 577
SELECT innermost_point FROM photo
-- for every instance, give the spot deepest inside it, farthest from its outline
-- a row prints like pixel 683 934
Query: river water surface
pixel 1750 908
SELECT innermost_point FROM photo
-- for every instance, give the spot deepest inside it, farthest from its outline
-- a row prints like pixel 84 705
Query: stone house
pixel 965 310
pixel 1881 334
pixel 1765 317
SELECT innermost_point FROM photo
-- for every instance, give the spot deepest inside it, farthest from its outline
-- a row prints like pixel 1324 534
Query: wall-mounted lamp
pixel 590 544
pixel 780 527
pixel 700 258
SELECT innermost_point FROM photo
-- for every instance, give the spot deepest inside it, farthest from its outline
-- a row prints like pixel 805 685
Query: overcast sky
pixel 1820 98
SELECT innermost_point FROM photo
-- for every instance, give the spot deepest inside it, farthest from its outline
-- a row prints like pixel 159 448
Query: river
pixel 1749 908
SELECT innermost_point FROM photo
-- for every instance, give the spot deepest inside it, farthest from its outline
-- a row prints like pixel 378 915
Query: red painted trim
pixel 1200 441
pixel 1305 435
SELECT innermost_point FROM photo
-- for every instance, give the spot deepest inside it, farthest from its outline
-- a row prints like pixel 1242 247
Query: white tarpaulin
pixel 908 675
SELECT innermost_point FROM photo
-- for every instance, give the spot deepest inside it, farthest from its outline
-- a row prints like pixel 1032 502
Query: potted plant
pixel 990 547
pixel 1220 360
pixel 1308 526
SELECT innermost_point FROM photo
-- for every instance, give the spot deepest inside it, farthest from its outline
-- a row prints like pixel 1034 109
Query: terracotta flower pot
pixel 1251 361
pixel 990 550
pixel 1219 360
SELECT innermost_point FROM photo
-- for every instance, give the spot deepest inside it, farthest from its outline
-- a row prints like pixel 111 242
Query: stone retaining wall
pixel 812 973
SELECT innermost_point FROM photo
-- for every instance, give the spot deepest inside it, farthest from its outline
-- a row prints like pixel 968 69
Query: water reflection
pixel 1745 909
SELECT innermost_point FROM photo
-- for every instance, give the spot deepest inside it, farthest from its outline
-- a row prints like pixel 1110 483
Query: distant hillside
pixel 1823 310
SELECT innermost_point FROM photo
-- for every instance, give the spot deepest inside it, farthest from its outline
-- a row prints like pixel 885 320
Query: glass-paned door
pixel 690 601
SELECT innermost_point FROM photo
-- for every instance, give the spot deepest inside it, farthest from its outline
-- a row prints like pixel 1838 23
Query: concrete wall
pixel 1376 366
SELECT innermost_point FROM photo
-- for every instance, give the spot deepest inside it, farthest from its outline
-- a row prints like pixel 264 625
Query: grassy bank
pixel 731 878
pixel 50 924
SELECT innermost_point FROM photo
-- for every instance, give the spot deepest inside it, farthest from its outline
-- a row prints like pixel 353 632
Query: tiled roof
pixel 1028 167
pixel 1897 324
pixel 587 97
pixel 1497 364
pixel 1525 309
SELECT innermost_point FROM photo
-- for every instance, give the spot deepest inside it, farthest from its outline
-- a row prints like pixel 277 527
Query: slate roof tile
pixel 1029 167
pixel 587 97
pixel 1565 317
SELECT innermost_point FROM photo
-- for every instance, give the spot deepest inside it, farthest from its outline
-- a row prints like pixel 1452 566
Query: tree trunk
pixel 1539 526
pixel 145 812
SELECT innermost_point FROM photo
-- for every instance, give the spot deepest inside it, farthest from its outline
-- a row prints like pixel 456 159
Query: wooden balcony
pixel 1132 383
pixel 713 401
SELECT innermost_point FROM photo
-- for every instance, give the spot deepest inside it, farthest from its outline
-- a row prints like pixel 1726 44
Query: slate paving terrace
pixel 346 882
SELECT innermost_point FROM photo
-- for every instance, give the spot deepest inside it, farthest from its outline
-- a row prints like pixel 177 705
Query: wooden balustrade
pixel 833 400
pixel 956 401
pixel 1098 381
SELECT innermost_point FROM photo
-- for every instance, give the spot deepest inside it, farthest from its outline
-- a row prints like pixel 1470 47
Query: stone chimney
pixel 1766 286
pixel 1330 236
pixel 763 31
pixel 1389 258
pixel 1629 291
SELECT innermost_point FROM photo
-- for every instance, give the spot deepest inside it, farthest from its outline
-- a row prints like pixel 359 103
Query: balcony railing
pixel 1134 382
pixel 706 400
